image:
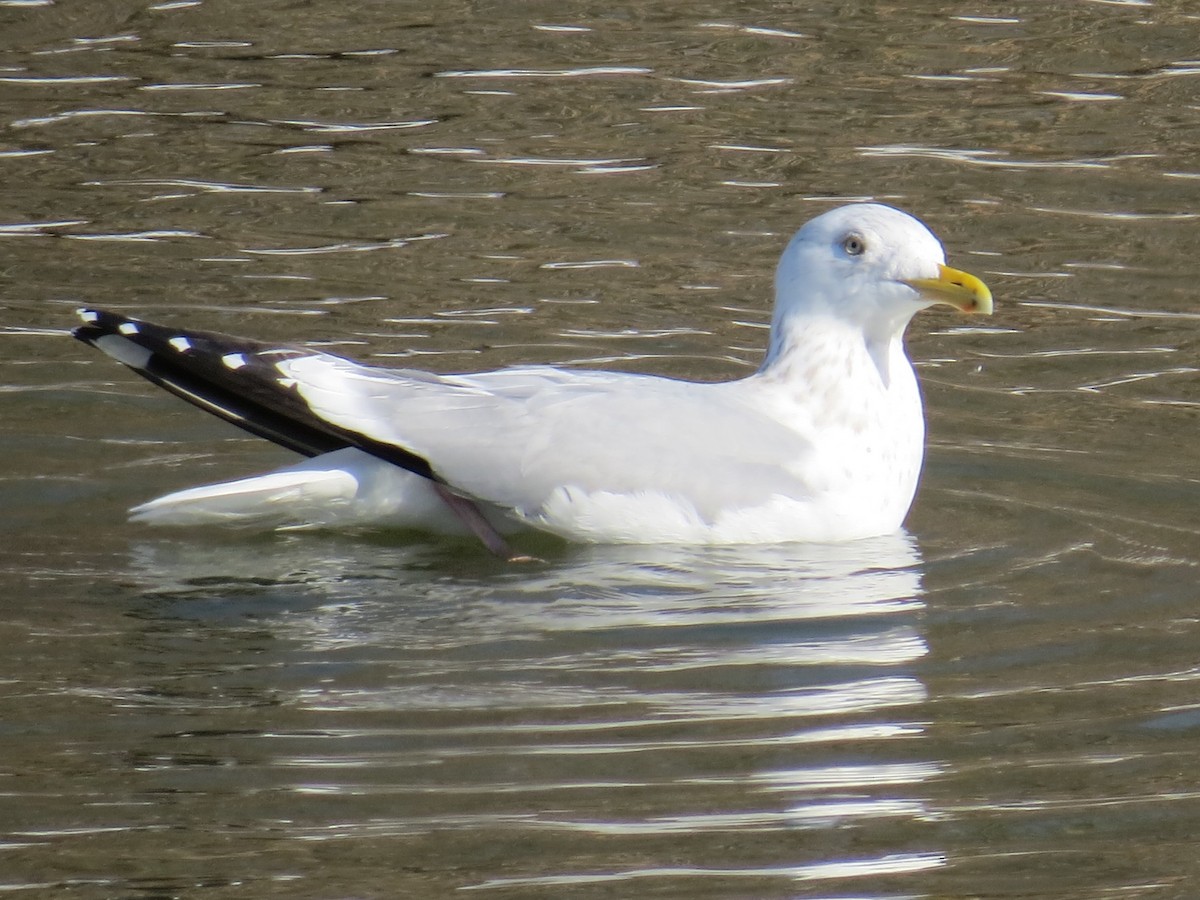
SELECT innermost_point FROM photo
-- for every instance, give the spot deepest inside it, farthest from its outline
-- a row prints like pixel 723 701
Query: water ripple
pixel 354 127
pixel 1119 215
pixel 73 114
pixel 341 247
pixel 735 84
pixel 1113 310
pixel 757 30
pixel 55 80
pixel 37 229
pixel 992 158
pixel 593 264
pixel 202 86
pixel 828 778
pixel 583 72
pixel 890 864
pixel 611 164
pixel 152 235
pixel 215 187
pixel 563 29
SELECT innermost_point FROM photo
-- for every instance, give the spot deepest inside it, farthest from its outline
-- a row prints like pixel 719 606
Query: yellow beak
pixel 961 290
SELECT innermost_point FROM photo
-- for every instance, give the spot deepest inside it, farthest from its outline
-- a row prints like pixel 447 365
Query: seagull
pixel 822 444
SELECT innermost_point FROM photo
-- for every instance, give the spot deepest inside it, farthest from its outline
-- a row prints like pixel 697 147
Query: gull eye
pixel 854 245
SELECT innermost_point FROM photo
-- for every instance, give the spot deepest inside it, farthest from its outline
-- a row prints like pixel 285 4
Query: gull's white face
pixel 888 243
pixel 874 265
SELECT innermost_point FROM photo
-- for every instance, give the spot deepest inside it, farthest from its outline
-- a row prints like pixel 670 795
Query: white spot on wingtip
pixel 180 343
pixel 88 315
pixel 124 350
pixel 128 328
pixel 234 360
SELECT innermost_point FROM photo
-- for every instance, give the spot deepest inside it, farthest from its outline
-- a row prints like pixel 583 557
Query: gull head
pixel 873 266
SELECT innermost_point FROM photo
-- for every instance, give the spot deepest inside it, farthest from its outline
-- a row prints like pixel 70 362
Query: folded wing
pixel 516 439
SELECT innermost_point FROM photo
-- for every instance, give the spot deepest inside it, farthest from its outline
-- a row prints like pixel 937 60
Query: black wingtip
pixel 94 324
pixel 195 366
pixel 99 323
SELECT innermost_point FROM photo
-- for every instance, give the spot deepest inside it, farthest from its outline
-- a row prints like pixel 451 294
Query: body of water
pixel 1000 702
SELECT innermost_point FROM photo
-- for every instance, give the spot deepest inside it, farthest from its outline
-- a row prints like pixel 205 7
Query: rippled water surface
pixel 1000 703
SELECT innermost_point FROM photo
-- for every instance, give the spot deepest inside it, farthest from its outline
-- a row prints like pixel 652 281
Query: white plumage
pixel 823 443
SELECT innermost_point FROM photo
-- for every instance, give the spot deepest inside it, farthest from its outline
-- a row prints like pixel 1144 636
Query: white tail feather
pixel 339 489
pixel 275 497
